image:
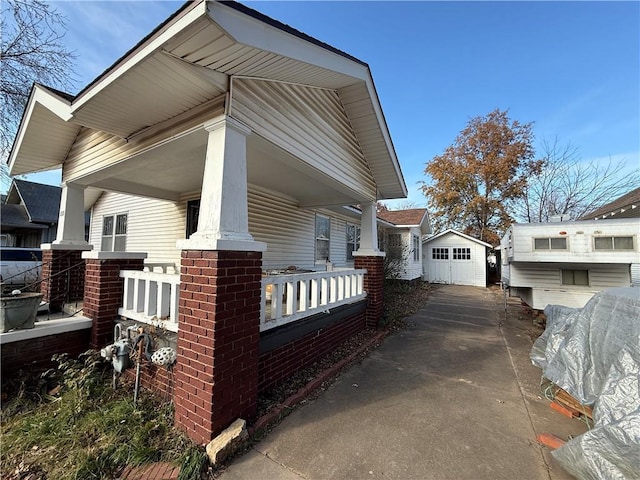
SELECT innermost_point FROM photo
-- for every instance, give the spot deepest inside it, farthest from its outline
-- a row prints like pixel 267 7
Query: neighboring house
pixel 401 236
pixel 565 263
pixel 29 215
pixel 226 144
pixel 451 257
pixel 627 206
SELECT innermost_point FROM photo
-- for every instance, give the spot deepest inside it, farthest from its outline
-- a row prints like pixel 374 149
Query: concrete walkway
pixel 453 396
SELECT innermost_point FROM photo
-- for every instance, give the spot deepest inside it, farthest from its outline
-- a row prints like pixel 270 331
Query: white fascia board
pixel 373 94
pixel 52 102
pixel 460 234
pixel 253 32
pixel 141 53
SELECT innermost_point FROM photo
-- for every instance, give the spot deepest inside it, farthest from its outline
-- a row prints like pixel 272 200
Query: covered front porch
pixel 232 147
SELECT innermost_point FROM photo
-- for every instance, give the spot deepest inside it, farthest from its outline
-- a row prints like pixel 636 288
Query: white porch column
pixel 71 217
pixel 368 232
pixel 223 222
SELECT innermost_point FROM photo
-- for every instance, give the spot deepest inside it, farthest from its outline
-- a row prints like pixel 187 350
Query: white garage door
pixel 451 265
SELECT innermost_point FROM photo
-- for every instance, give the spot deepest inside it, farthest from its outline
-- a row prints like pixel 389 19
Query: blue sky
pixel 572 68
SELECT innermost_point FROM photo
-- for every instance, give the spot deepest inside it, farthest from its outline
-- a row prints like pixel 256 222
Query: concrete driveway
pixel 453 396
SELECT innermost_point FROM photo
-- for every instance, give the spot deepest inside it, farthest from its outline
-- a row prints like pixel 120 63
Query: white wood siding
pixel 476 268
pixel 154 226
pixel 315 128
pixel 635 274
pixel 94 150
pixel 545 282
pixel 580 241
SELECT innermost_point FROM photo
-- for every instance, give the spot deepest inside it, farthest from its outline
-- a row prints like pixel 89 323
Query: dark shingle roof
pixel 626 206
pixel 42 202
pixel 15 216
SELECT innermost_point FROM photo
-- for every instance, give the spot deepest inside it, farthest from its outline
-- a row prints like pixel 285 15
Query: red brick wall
pixel 219 326
pixel 373 285
pixel 103 295
pixel 38 351
pixel 277 365
pixel 62 277
pixel 155 378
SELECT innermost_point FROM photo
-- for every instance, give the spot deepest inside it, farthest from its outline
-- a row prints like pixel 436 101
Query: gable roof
pixel 41 202
pixel 15 216
pixel 407 218
pixel 188 61
pixel 626 206
pixel 460 234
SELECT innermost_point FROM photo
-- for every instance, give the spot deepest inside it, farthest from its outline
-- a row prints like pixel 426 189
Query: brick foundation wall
pixel 63 273
pixel 277 365
pixel 155 378
pixel 219 326
pixel 374 286
pixel 38 351
pixel 103 293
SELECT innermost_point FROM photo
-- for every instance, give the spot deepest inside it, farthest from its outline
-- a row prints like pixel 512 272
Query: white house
pixel 225 144
pixel 452 257
pixel 565 263
pixel 402 232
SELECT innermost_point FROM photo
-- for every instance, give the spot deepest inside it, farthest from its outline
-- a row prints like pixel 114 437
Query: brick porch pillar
pixel 62 274
pixel 104 290
pixel 219 328
pixel 370 258
pixel 373 285
pixel 220 289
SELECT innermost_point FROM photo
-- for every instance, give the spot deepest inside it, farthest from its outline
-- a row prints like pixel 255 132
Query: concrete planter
pixel 19 311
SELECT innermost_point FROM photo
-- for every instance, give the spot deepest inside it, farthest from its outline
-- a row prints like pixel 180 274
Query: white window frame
pixel 550 243
pixel 440 253
pixel 110 247
pixel 353 241
pixel 415 239
pixel 461 254
pixel 573 284
pixel 319 238
pixel 613 242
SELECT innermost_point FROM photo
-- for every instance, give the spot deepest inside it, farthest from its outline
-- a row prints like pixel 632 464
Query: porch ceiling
pixel 186 62
pixel 176 169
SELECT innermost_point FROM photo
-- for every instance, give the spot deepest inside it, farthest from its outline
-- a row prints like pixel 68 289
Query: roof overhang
pixel 44 135
pixel 187 61
pixel 460 234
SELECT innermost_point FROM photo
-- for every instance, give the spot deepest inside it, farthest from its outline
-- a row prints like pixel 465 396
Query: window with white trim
pixel 416 248
pixel 353 240
pixel 575 277
pixel 114 233
pixel 613 243
pixel 461 253
pixel 439 253
pixel 323 238
pixel 550 243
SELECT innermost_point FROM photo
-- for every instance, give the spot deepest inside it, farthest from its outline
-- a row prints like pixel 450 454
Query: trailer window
pixel 555 243
pixel 575 277
pixel 613 243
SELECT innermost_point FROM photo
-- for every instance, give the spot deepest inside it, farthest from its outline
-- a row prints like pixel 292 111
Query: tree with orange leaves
pixel 477 179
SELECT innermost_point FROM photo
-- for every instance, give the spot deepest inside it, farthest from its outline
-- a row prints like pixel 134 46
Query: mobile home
pixel 565 263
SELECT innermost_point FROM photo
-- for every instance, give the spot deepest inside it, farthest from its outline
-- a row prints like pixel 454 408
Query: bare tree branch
pixel 566 185
pixel 32 49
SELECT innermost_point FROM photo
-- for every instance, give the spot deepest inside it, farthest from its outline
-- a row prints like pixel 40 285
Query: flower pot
pixel 19 311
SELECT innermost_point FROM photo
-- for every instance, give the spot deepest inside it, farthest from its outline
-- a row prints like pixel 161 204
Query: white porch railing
pixel 151 298
pixel 290 297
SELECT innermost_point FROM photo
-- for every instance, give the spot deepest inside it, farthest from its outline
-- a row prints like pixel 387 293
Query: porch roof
pixel 188 61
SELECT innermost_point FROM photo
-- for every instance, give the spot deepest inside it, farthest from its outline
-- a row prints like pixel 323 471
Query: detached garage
pixel 455 258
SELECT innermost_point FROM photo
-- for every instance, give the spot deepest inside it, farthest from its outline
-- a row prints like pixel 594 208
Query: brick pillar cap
pixel 97 255
pixel 66 246
pixel 369 253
